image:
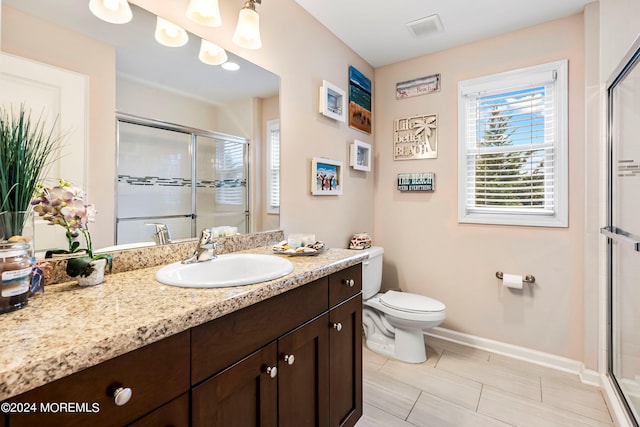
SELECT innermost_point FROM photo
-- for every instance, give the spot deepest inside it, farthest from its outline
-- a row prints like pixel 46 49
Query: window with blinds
pixel 273 166
pixel 513 147
pixel 230 173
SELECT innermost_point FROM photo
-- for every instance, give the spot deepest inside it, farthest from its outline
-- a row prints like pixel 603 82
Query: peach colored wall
pixel 428 252
pixel 303 53
pixel 595 199
pixel 22 35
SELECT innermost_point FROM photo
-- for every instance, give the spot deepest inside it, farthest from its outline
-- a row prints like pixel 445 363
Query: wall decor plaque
pixel 416 137
pixel 417 87
pixel 416 181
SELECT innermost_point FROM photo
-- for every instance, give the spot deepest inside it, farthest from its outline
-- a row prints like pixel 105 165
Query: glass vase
pixel 16 228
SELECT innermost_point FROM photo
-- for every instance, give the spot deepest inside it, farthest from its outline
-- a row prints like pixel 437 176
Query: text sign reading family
pixel 416 138
pixel 416 181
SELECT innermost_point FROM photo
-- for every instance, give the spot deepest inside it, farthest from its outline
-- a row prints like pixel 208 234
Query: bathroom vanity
pixel 134 352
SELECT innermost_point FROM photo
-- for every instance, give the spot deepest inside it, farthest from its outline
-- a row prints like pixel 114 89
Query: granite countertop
pixel 70 328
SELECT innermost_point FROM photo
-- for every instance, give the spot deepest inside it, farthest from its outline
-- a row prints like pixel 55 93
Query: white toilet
pixel 394 321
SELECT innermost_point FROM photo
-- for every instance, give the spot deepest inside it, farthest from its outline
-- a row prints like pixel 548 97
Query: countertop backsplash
pixel 152 256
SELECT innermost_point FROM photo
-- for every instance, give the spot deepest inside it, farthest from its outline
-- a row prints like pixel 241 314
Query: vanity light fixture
pixel 112 11
pixel 169 34
pixel 204 12
pixel 247 32
pixel 211 53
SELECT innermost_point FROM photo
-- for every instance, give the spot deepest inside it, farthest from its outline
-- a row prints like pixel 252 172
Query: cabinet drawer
pixel 155 374
pixel 344 284
pixel 221 342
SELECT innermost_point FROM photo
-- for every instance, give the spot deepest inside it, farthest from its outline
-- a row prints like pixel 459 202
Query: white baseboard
pixel 564 364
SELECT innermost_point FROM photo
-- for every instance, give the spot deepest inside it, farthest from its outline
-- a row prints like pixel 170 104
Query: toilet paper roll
pixel 512 281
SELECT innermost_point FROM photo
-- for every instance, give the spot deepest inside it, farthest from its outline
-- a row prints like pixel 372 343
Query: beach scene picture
pixel 359 100
pixel 327 177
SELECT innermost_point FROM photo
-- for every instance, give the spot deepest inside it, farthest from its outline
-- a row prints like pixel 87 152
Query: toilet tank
pixel 372 272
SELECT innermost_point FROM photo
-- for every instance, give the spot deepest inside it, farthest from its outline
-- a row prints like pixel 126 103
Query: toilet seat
pixel 410 303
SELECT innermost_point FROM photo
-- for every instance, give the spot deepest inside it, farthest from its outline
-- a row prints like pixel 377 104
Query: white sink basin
pixel 225 270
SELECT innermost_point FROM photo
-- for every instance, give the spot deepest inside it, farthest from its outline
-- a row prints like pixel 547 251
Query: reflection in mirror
pixel 166 85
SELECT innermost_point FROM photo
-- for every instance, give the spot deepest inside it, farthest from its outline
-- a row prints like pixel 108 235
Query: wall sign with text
pixel 416 181
pixel 416 137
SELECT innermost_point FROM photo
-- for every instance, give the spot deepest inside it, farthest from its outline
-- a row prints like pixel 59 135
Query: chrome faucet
pixel 161 236
pixel 205 250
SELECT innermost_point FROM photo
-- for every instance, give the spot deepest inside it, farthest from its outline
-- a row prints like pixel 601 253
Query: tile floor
pixel 461 386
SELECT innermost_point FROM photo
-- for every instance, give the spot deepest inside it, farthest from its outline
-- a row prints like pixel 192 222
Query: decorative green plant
pixel 64 205
pixel 27 148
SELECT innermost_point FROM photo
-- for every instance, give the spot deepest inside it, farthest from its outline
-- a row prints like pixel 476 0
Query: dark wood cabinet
pixel 292 360
pixel 283 384
pixel 318 377
pixel 221 342
pixel 154 374
pixel 303 375
pixel 243 395
pixel 172 414
pixel 345 344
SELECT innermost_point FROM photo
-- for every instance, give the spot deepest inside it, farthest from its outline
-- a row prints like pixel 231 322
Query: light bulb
pixel 169 34
pixel 112 11
pixel 204 12
pixel 211 53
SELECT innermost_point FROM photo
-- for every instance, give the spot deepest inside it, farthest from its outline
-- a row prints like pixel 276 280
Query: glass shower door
pixel 221 176
pixel 623 230
pixel 154 182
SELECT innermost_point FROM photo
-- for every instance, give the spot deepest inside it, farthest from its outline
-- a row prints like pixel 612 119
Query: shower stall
pixel 623 232
pixel 185 178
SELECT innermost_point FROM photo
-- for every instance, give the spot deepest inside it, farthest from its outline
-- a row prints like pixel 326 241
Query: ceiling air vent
pixel 425 26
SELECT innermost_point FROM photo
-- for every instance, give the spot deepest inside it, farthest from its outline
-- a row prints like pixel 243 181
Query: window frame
pixel 504 83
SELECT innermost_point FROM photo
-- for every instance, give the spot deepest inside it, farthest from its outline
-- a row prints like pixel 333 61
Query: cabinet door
pixel 243 395
pixel 172 414
pixel 345 361
pixel 303 375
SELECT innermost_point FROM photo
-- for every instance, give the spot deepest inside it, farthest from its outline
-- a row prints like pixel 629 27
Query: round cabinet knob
pixel 289 359
pixel 349 282
pixel 272 371
pixel 337 326
pixel 122 395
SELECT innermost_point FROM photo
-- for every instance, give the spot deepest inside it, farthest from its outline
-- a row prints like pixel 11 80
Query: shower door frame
pixel 614 235
pixel 194 134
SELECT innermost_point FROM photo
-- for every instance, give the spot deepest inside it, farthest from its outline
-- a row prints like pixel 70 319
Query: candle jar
pixel 15 275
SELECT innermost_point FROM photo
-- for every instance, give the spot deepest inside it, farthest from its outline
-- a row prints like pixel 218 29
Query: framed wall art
pixel 359 100
pixel 333 101
pixel 360 156
pixel 326 177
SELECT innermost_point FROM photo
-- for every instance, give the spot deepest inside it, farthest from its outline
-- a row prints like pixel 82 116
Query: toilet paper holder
pixel 529 278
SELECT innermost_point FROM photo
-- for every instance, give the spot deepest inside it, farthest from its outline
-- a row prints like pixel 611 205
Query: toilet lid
pixel 414 303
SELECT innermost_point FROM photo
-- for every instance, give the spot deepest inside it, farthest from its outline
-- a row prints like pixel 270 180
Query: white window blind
pixel 513 148
pixel 230 173
pixel 273 166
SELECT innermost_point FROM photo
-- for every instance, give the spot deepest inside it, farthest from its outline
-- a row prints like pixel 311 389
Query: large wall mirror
pixel 155 82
